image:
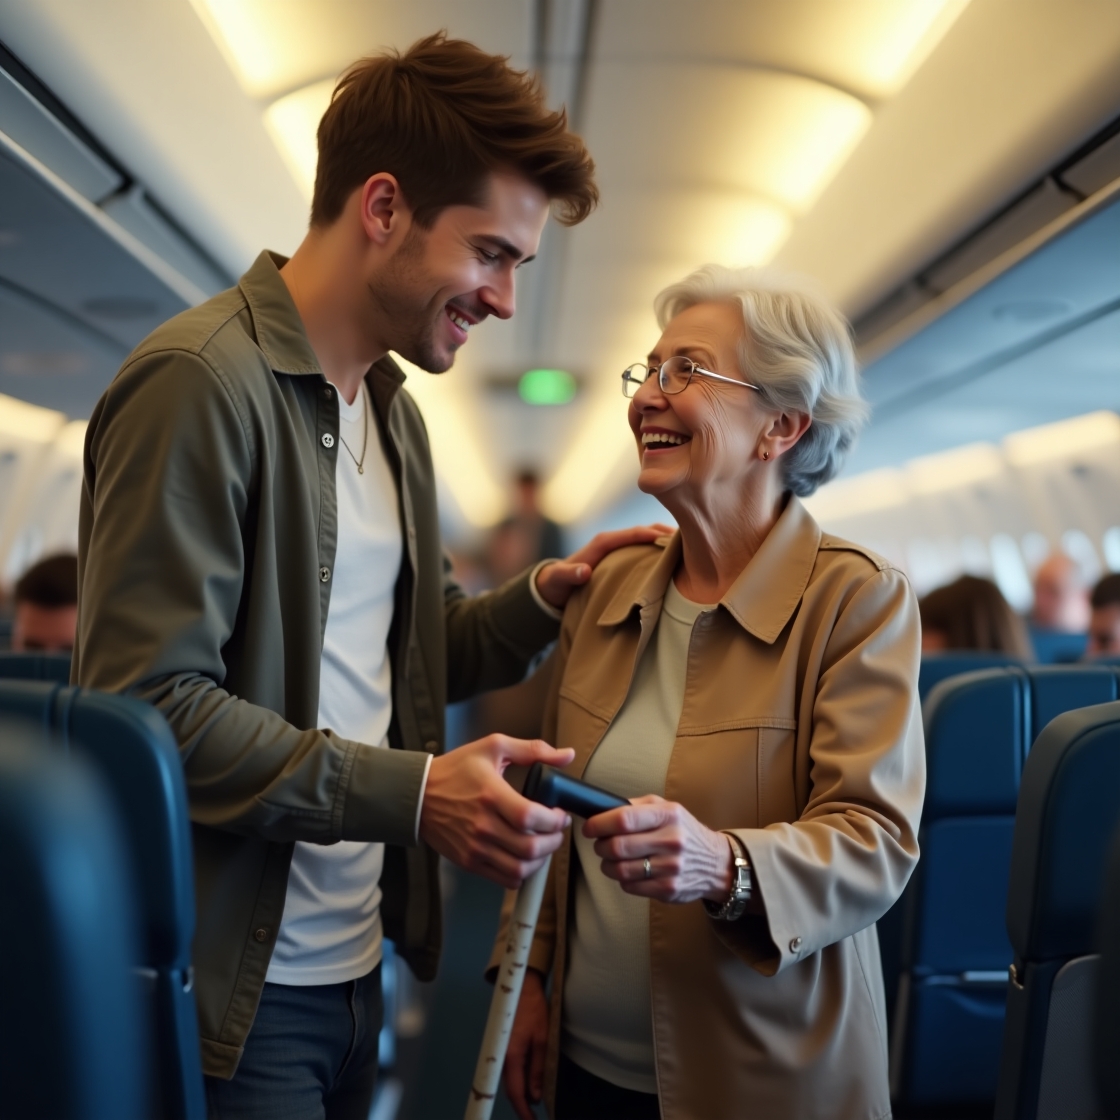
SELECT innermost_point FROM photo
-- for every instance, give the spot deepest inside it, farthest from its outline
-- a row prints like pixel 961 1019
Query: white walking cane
pixel 551 788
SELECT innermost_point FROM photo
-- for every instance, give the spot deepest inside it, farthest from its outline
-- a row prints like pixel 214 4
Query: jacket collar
pixel 279 329
pixel 764 596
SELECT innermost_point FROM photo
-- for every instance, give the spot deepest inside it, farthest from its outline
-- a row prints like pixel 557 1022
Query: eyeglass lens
pixel 674 376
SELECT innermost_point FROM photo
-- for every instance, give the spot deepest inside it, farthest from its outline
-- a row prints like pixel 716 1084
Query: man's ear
pixel 383 212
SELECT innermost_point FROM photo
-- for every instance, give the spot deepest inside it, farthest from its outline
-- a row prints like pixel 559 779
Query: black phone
pixel 556 790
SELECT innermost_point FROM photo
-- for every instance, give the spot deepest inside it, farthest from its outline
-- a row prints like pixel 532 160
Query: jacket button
pixel 324 574
pixel 795 944
pixel 328 392
pixel 261 934
pixel 431 746
pixel 328 439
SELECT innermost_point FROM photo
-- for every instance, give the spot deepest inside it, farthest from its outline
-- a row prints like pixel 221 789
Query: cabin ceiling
pixel 851 142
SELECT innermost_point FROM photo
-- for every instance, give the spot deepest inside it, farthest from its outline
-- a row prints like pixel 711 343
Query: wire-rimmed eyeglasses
pixel 673 376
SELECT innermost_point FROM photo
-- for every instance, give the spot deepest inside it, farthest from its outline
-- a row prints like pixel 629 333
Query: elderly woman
pixel 750 684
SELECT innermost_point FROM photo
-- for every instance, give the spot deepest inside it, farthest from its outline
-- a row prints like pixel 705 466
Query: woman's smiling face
pixel 707 436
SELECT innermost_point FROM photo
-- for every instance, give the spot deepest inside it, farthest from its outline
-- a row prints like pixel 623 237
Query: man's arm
pixel 169 474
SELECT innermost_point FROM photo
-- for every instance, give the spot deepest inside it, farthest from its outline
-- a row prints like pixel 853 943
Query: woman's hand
pixel 687 860
pixel 523 1074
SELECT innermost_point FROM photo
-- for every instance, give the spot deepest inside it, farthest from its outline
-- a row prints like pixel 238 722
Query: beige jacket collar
pixel 763 598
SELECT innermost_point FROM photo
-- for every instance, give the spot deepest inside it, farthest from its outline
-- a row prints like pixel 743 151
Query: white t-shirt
pixel 331 929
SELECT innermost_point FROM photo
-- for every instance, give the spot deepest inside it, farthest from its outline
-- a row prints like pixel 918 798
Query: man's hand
pixel 558 580
pixel 477 820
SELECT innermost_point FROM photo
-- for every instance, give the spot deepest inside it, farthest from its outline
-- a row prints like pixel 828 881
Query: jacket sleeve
pixel 845 861
pixel 492 638
pixel 169 480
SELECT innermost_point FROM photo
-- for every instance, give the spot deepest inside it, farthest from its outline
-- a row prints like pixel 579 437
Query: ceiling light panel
pixel 293 124
pixel 274 46
pixel 870 47
pixel 771 135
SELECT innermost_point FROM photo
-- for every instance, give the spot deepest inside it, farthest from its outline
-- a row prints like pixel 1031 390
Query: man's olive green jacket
pixel 207 542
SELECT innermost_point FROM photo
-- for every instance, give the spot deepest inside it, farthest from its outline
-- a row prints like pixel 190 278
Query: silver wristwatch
pixel 742 886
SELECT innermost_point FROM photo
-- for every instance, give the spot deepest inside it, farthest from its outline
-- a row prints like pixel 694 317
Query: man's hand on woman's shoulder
pixel 557 581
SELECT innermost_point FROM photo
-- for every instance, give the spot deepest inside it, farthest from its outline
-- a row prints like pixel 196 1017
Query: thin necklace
pixel 365 437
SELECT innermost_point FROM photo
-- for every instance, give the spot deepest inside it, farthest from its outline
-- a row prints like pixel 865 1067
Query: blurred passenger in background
pixel 1061 600
pixel 526 536
pixel 1104 625
pixel 971 613
pixel 46 606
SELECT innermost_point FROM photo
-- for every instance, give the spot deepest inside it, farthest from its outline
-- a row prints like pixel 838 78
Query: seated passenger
pixel 46 606
pixel 751 684
pixel 1061 601
pixel 971 613
pixel 1104 626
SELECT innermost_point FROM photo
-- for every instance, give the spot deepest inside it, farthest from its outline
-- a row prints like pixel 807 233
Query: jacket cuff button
pixel 324 574
pixel 261 934
pixel 795 944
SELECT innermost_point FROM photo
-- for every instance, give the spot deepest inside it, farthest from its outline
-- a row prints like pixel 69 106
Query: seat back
pixel 937 667
pixel 71 1023
pixel 1106 1020
pixel 953 970
pixel 1069 808
pixel 35 667
pixel 134 752
pixel 1053 647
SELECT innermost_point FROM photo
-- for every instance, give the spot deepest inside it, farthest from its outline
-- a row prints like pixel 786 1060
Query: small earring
pixel 766 454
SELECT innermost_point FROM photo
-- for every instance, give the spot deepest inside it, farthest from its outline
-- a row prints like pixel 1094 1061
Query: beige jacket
pixel 801 731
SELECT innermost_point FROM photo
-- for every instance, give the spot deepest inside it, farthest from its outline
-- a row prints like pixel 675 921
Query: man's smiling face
pixel 443 281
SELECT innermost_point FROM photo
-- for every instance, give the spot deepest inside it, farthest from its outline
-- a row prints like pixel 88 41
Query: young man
pixel 260 559
pixel 46 606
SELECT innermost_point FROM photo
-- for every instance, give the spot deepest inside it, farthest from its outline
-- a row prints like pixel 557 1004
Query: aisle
pixel 437 1066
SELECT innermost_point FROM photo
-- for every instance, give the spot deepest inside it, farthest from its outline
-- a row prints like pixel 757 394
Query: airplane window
pixel 1110 545
pixel 1010 572
pixel 1035 549
pixel 1077 546
pixel 974 557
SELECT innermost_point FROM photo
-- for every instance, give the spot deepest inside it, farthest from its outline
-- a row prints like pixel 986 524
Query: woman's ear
pixel 783 433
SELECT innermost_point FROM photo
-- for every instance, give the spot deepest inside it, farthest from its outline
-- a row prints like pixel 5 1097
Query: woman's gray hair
pixel 798 350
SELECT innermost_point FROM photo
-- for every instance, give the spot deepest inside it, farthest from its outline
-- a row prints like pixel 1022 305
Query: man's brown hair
pixel 441 118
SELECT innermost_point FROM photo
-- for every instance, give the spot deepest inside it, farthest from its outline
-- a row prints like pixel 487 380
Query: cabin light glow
pixel 741 231
pixel 869 492
pixel 29 421
pixel 948 470
pixel 246 41
pixel 453 432
pixel 293 122
pixel 885 42
pixel 1067 437
pixel 801 132
pixel 547 387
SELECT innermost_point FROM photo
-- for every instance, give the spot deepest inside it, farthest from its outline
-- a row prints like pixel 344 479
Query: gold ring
pixel 648 869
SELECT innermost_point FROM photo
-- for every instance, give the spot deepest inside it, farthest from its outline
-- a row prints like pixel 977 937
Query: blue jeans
pixel 311 1055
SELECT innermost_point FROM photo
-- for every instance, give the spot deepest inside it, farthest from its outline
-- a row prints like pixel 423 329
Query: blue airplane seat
pixel 952 970
pixel 936 667
pixel 1053 647
pixel 1069 809
pixel 72 1025
pixel 135 753
pixel 1106 1018
pixel 35 667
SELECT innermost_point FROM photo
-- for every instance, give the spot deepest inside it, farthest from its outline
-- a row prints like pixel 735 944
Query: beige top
pixel 608 1027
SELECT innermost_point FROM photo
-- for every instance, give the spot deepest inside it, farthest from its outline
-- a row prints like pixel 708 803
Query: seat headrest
pixel 1069 807
pixel 1061 688
pixel 937 667
pixel 976 733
